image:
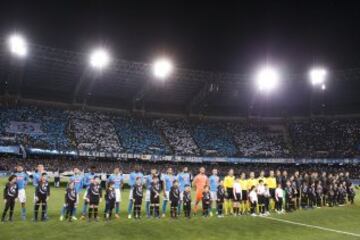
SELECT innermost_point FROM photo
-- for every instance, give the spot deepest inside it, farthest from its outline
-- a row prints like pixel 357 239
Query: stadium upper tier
pixel 68 130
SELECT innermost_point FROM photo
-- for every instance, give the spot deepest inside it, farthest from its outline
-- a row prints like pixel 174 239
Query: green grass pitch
pixel 345 219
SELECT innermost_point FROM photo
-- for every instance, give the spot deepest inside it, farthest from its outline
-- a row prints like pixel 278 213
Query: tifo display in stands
pixel 68 130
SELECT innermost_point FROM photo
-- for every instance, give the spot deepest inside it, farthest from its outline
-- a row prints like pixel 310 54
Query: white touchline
pixel 313 226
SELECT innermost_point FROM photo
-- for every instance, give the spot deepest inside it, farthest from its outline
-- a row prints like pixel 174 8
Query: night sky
pixel 234 36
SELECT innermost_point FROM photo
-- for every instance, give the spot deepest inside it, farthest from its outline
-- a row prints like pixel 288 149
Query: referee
pixel 228 184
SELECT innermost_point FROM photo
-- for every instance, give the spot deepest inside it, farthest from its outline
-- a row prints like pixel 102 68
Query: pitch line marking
pixel 314 226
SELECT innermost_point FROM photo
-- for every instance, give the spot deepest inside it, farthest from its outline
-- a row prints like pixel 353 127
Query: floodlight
pixel 17 45
pixel 323 87
pixel 267 79
pixel 99 58
pixel 162 68
pixel 318 76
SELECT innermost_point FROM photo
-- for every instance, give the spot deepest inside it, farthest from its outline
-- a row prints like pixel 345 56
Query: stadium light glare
pixel 162 68
pixel 99 58
pixel 18 45
pixel 267 79
pixel 318 76
pixel 323 87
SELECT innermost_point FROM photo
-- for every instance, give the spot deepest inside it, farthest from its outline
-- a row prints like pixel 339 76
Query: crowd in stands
pixel 140 135
pixel 325 137
pixel 107 166
pixel 64 130
pixel 179 137
pixel 254 140
pixel 34 127
pixel 214 139
pixel 93 132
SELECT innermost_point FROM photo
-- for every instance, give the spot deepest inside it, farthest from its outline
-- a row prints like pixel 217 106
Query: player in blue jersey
pixel 214 183
pixel 148 185
pixel 87 180
pixel 183 179
pixel 21 182
pixel 132 181
pixel 36 176
pixel 117 179
pixel 167 180
pixel 78 180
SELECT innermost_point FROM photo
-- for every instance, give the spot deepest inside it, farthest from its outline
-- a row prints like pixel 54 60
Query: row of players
pixel 230 196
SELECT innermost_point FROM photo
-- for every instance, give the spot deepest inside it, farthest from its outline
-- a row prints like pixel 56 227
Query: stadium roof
pixel 60 75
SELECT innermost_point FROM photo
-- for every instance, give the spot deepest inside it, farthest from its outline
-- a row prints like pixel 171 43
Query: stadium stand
pixel 140 135
pixel 325 137
pixel 214 139
pixel 107 166
pixel 256 140
pixel 93 131
pixel 34 127
pixel 179 137
pixel 65 130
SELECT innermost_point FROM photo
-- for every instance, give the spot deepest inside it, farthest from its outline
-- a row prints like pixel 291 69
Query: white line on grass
pixel 314 226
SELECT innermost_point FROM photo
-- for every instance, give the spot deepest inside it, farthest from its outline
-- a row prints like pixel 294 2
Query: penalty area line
pixel 313 226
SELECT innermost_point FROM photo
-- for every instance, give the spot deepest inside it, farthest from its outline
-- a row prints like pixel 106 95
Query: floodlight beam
pixel 18 45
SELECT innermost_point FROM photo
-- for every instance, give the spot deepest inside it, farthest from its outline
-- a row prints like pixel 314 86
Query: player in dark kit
pixel 289 197
pixel 70 200
pixel 351 194
pixel 187 201
pixel 174 198
pixel 155 197
pixel 42 193
pixel 220 199
pixel 93 197
pixel 110 199
pixel 206 200
pixel 10 195
pixel 138 196
pixel 312 195
pixel 304 195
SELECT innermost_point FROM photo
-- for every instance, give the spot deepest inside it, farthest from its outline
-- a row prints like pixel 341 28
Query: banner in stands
pixel 24 127
pixel 192 159
pixel 10 149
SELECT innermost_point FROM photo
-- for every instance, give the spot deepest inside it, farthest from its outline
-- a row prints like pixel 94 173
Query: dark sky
pixel 224 35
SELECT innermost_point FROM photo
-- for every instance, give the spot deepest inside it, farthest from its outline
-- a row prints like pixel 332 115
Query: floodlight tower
pixel 318 77
pixel 99 58
pixel 18 46
pixel 18 50
pixel 162 68
pixel 267 79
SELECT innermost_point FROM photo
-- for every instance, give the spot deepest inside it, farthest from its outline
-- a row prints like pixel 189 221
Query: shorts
pixel 229 194
pixel 181 196
pixel 77 199
pixel 272 193
pixel 85 195
pixel 154 199
pixel 261 199
pixel 117 195
pixel 166 197
pixel 22 196
pixel 131 194
pixel 147 195
pixel 238 197
pixel 244 196
pixel 198 196
pixel 94 200
pixel 138 201
pixel 213 196
pixel 41 199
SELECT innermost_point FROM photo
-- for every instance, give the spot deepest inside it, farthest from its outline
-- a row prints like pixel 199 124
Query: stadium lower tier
pixel 63 130
pixel 8 164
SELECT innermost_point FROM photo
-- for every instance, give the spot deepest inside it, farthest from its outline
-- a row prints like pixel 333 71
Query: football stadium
pixel 179 120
